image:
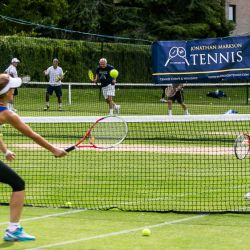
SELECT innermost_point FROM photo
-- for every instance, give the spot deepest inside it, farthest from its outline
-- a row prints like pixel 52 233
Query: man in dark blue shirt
pixel 102 75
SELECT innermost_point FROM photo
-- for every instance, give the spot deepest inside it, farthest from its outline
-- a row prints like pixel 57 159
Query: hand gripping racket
pixel 91 78
pixel 59 78
pixel 242 146
pixel 106 132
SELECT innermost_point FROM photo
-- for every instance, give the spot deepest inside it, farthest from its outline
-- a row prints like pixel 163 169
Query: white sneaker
pixel 162 100
pixel 247 195
pixel 117 109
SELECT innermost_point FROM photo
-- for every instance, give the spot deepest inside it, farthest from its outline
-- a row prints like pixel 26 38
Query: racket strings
pixel 242 146
pixel 108 134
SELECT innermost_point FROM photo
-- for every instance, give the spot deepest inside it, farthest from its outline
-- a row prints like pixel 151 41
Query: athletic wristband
pixel 7 152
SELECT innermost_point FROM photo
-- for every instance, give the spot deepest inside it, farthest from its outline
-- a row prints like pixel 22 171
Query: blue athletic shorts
pixel 57 89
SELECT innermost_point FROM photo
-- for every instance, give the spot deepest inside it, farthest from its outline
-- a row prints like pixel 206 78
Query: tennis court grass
pixel 86 102
pixel 67 229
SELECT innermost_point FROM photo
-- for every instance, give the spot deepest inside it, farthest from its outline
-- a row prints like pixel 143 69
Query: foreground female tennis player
pixel 15 232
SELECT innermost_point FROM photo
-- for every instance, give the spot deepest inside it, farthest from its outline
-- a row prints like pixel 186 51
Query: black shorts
pixel 179 97
pixel 57 89
pixel 9 176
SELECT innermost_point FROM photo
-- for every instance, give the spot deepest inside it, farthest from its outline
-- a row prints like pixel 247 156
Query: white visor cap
pixel 12 84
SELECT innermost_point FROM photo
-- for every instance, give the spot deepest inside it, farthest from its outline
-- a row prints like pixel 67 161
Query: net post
pixel 70 95
pixel 247 101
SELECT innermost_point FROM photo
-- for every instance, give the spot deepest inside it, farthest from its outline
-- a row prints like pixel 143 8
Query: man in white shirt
pixel 12 71
pixel 55 74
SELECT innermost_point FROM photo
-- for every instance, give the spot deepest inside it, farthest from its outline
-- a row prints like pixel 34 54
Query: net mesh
pixel 179 163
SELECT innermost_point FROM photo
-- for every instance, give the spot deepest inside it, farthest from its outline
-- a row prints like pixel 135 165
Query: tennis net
pixel 178 163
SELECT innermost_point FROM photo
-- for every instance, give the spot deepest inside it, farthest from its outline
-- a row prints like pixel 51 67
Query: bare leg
pixel 59 100
pixel 170 104
pixel 15 231
pixel 47 101
pixel 16 206
pixel 47 97
pixel 184 107
pixel 111 104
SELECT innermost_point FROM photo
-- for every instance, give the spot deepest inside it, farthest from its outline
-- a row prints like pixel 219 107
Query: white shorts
pixel 108 91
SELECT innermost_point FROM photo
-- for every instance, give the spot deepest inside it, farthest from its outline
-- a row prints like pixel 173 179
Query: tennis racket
pixel 26 79
pixel 91 75
pixel 92 78
pixel 171 90
pixel 106 132
pixel 59 78
pixel 242 146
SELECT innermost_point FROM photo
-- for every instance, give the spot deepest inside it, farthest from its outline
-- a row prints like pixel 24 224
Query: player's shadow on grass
pixel 6 244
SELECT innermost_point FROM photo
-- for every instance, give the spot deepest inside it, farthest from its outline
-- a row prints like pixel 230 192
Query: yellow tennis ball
pixel 114 73
pixel 146 232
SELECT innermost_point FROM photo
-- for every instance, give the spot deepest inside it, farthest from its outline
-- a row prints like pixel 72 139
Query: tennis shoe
pixel 17 235
pixel 60 109
pixel 162 100
pixel 46 108
pixel 117 109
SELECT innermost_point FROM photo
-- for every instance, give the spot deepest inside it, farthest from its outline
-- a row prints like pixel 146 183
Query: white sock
pixel 111 111
pixel 47 103
pixel 169 112
pixel 13 226
pixel 60 105
pixel 186 112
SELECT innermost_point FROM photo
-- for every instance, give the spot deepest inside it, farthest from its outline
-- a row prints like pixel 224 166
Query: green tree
pixel 39 11
pixel 174 19
pixel 141 19
pixel 82 16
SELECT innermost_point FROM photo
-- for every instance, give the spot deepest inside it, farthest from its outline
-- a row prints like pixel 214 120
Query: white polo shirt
pixel 11 70
pixel 53 74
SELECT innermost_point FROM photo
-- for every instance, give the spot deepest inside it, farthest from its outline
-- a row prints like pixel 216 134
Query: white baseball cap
pixel 13 83
pixel 15 60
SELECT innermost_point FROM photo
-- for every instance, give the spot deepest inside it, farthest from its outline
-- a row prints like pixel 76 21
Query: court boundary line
pixel 49 215
pixel 117 233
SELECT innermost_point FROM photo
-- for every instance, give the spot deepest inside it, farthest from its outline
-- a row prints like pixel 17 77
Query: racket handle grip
pixel 70 148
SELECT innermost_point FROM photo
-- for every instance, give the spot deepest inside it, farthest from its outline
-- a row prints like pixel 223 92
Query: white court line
pixel 49 215
pixel 117 233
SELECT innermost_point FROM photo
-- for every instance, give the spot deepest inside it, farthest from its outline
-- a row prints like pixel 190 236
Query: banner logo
pixel 178 52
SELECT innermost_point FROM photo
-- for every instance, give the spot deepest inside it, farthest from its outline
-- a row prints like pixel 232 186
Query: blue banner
pixel 207 60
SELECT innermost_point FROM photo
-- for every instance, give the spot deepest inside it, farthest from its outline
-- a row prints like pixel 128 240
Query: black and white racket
pixel 242 146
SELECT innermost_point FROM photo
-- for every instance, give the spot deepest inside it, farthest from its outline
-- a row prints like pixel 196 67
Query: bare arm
pixel 17 123
pixel 8 154
pixel 95 78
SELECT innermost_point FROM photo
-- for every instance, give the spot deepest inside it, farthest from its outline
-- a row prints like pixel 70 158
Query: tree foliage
pixel 141 19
